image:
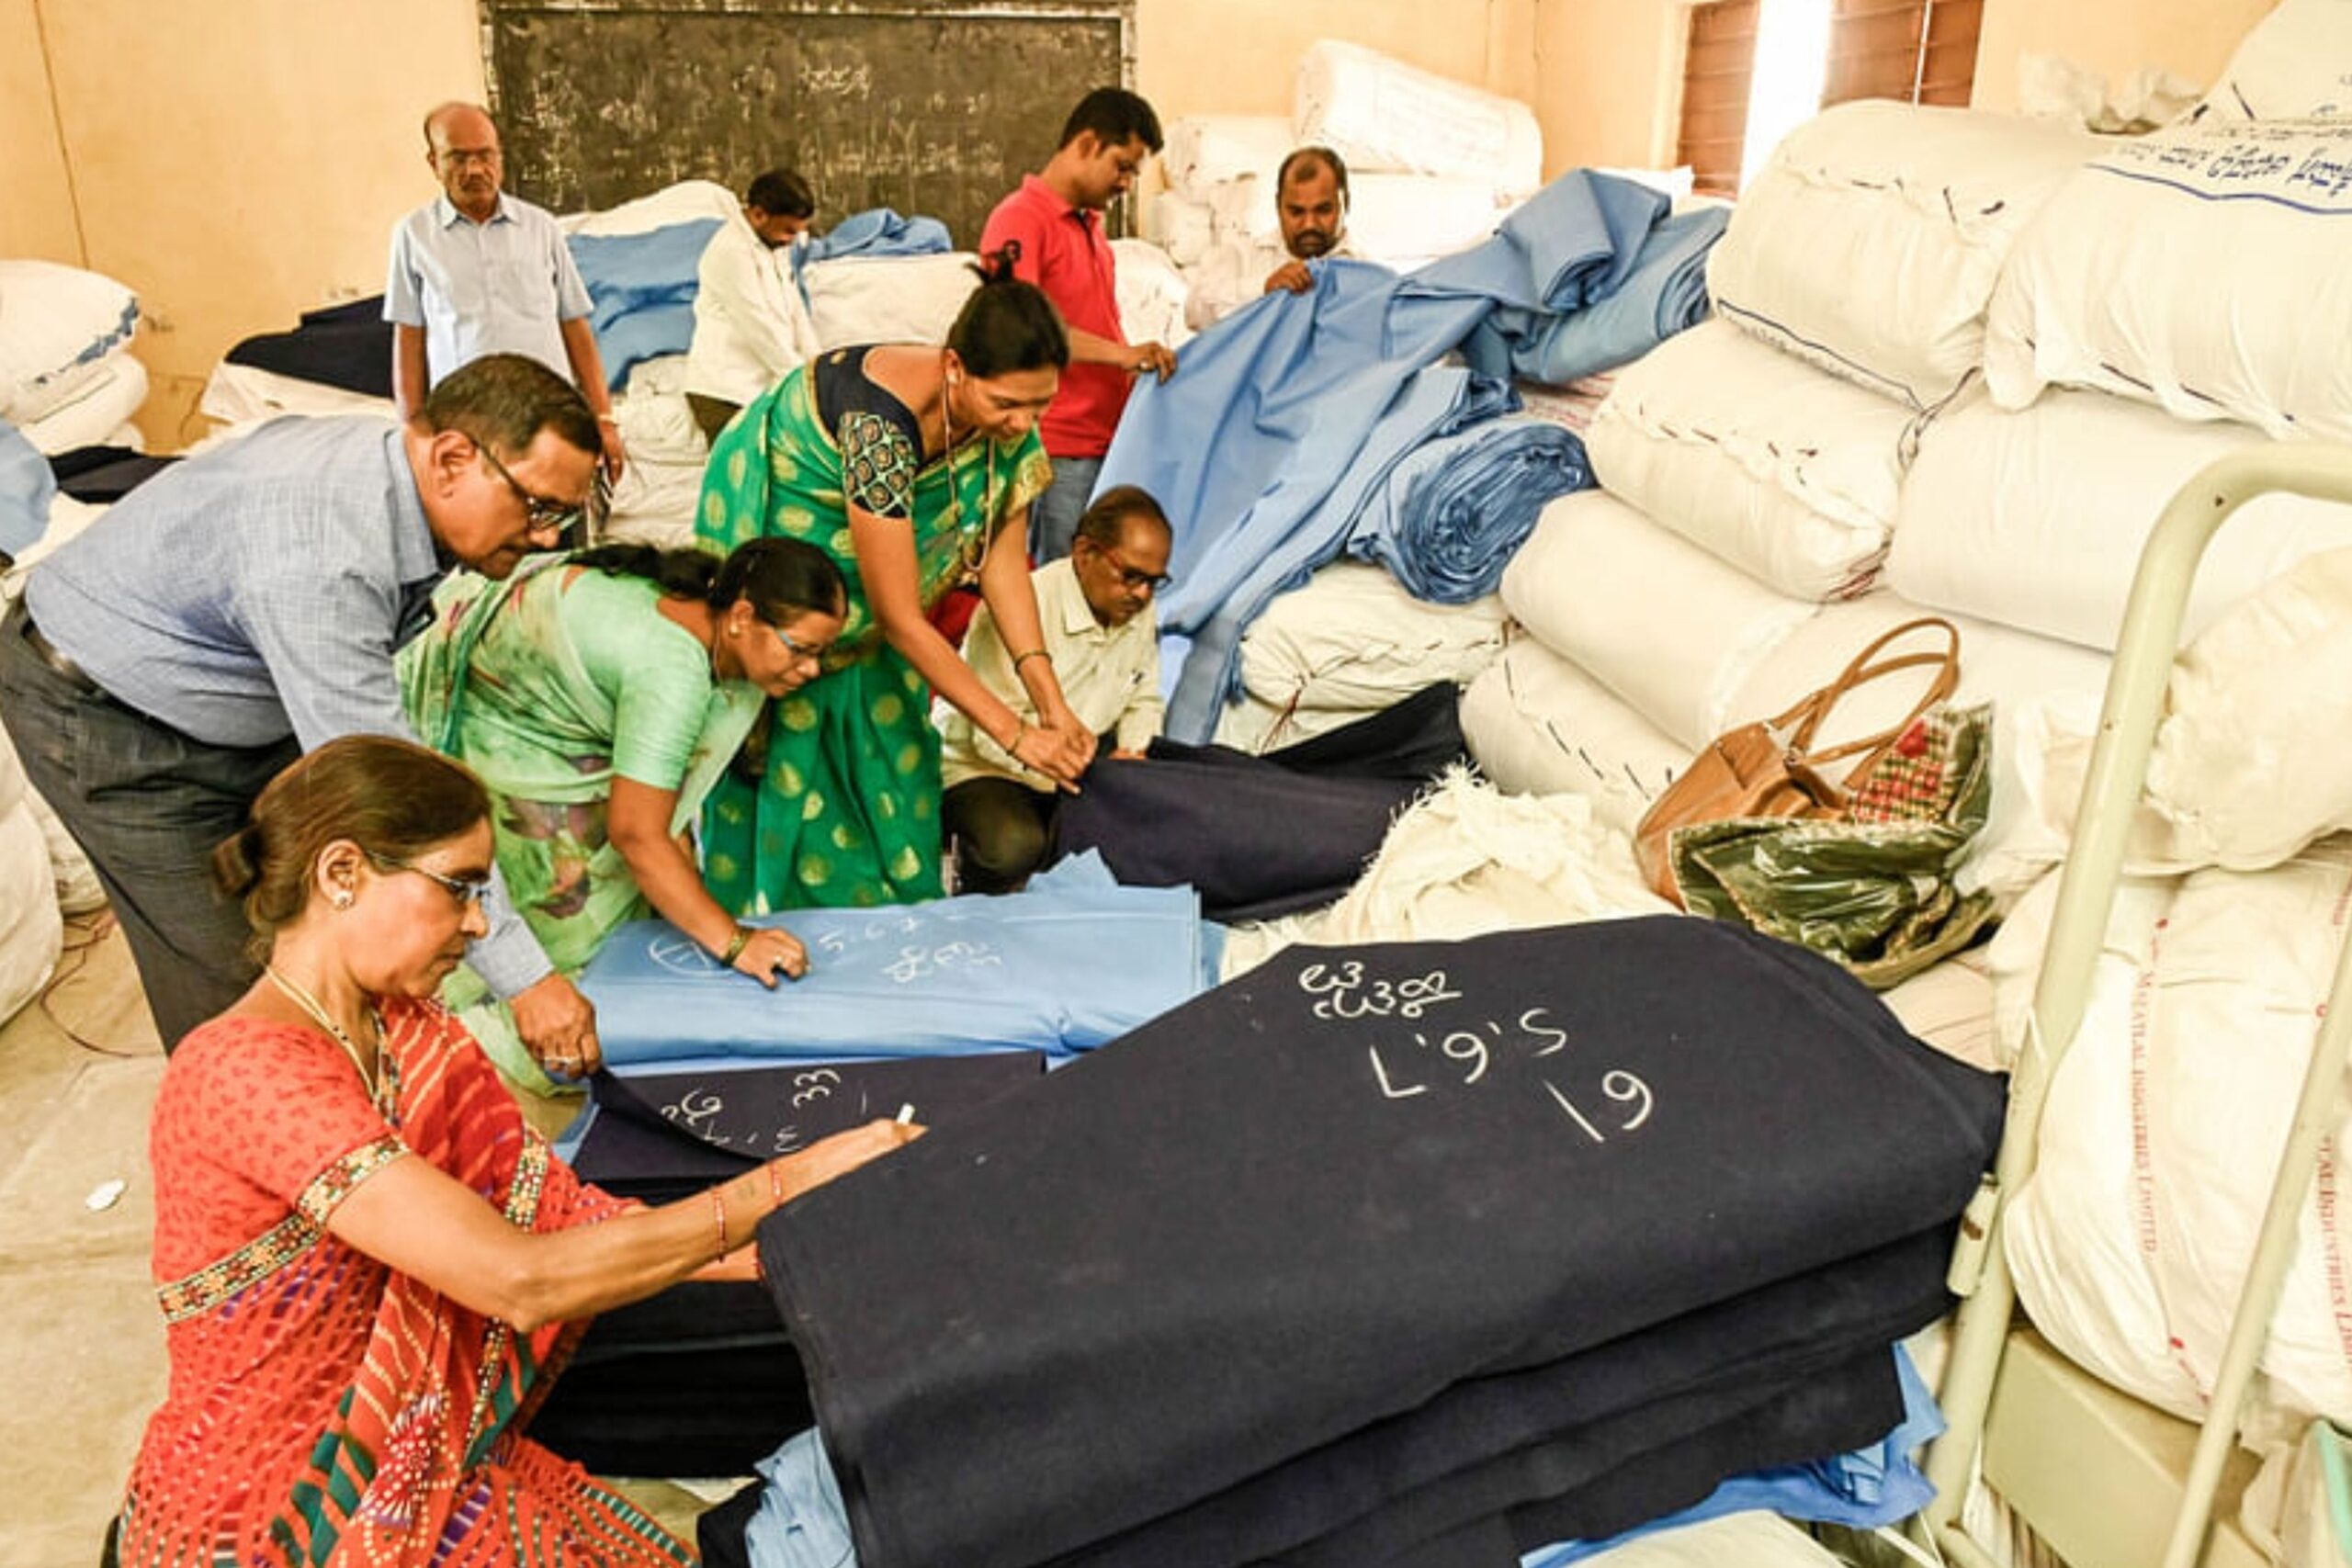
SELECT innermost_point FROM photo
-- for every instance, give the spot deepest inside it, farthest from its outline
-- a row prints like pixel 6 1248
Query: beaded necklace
pixel 378 1083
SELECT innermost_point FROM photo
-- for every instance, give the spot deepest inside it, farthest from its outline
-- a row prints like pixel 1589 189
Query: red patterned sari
pixel 323 1409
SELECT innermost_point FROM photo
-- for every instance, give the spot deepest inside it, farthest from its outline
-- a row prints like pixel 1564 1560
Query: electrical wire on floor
pixel 73 961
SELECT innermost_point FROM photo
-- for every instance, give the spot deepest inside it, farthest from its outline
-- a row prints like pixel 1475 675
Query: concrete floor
pixel 81 1340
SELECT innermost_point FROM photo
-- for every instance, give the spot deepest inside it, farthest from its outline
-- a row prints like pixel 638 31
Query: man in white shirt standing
pixel 1311 206
pixel 1094 606
pixel 751 324
pixel 475 271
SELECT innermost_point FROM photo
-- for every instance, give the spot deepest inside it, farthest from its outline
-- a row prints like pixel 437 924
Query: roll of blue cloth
pixel 1452 513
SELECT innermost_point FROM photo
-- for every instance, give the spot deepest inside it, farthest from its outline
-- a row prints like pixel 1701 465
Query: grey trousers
pixel 1001 829
pixel 149 806
pixel 1053 516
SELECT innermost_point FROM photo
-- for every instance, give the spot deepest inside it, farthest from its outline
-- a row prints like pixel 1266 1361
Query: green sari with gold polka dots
pixel 845 811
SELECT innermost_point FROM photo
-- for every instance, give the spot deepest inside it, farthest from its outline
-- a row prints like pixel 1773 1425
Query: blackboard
pixel 933 109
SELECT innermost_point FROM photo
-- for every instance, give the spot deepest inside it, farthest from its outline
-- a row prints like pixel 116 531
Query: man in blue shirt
pixel 476 271
pixel 243 608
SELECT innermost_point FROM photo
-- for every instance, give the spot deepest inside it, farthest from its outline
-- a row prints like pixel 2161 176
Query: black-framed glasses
pixel 464 889
pixel 543 514
pixel 1132 578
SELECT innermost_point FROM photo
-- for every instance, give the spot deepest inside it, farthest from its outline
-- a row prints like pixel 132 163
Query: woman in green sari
pixel 600 696
pixel 913 468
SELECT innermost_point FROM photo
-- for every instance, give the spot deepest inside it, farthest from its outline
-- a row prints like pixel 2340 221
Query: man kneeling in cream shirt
pixel 1094 606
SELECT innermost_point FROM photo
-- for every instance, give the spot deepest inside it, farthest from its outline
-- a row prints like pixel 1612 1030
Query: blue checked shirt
pixel 259 592
pixel 475 289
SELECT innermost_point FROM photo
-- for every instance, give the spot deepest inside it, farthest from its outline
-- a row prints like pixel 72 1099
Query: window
pixel 1755 68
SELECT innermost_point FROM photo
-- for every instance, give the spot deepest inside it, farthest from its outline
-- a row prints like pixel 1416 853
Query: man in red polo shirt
pixel 1056 217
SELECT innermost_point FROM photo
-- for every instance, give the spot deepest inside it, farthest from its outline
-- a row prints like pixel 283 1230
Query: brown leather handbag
pixel 1770 767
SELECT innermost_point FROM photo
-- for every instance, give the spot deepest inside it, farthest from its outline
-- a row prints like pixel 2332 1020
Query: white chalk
pixel 906 1114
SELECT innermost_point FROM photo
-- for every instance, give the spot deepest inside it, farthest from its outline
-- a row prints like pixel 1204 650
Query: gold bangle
pixel 736 944
pixel 1019 658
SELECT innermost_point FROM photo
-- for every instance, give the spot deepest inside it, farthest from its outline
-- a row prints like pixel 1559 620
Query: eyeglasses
pixel 814 652
pixel 542 514
pixel 1134 579
pixel 464 889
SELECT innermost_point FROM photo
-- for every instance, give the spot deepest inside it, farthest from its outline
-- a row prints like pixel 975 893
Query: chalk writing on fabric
pixel 915 962
pixel 695 1110
pixel 1469 1053
pixel 681 954
pixel 1337 991
pixel 815 1084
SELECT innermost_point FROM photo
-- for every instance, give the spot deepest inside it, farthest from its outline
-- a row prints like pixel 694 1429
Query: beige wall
pixel 239 161
pixel 246 160
pixel 36 196
pixel 2190 38
pixel 1609 70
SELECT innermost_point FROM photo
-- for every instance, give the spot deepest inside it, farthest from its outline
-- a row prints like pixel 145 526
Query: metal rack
pixel 1980 1274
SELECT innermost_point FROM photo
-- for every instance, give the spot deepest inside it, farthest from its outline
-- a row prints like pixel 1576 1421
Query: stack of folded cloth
pixel 1423 1254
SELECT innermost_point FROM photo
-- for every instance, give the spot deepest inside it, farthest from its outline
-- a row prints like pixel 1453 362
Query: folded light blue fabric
pixel 1862 1490
pixel 876 231
pixel 27 487
pixel 1570 243
pixel 1059 968
pixel 801 1522
pixel 1451 513
pixel 643 289
pixel 1283 421
pixel 1665 294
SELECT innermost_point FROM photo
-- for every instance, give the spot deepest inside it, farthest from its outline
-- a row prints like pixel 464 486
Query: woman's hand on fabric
pixel 770 952
pixel 1155 358
pixel 1055 753
pixel 820 1162
pixel 558 1026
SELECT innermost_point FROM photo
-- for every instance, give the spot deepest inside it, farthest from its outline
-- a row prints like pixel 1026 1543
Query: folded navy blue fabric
pixel 348 346
pixel 1331 1189
pixel 1492 1443
pixel 1417 738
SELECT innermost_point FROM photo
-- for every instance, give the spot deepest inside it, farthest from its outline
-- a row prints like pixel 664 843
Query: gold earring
pixel 341 897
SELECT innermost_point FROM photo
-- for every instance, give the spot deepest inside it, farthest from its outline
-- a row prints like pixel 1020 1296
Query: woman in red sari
pixel 369 1266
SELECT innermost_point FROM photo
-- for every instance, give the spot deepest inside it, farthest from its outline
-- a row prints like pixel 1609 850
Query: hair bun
pixel 996 265
pixel 237 863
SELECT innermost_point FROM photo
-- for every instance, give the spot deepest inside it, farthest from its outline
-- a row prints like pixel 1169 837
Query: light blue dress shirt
pixel 500 287
pixel 258 591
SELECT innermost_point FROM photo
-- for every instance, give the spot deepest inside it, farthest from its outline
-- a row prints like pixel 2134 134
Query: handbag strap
pixel 1803 720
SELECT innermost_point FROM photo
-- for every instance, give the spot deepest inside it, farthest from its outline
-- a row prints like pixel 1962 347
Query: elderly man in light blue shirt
pixel 476 271
pixel 243 608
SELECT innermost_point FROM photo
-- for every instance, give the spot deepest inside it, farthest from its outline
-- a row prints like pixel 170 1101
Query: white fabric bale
pixel 2009 669
pixel 1749 1540
pixel 114 390
pixel 1538 725
pixel 2203 268
pixel 1871 242
pixel 685 202
pixel 2247 770
pixel 1465 861
pixel 56 324
pixel 1353 641
pixel 858 300
pixel 1593 582
pixel 2069 1232
pixel 242 395
pixel 1151 294
pixel 2160 1142
pixel 71 886
pixel 2296 64
pixel 1184 226
pixel 654 501
pixel 2038 519
pixel 32 932
pixel 1204 149
pixel 1381 114
pixel 1408 221
pixel 1788 473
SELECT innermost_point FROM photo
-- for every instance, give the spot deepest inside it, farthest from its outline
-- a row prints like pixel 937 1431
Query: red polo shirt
pixel 1063 252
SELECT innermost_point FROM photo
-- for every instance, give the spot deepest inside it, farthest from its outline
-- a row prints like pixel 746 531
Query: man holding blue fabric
pixel 243 608
pixel 476 271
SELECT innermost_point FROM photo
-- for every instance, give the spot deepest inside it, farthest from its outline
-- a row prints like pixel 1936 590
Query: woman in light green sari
pixel 913 468
pixel 600 696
